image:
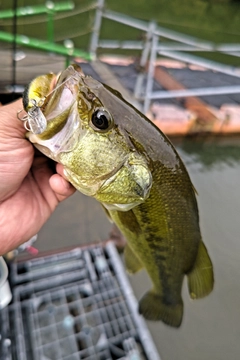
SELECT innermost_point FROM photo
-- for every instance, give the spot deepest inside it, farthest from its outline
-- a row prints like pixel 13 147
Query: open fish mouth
pixel 64 92
pixel 60 103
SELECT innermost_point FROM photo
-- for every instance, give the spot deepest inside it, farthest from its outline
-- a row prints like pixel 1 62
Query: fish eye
pixel 101 120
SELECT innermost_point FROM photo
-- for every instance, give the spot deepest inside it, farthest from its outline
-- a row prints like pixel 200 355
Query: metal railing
pixel 177 48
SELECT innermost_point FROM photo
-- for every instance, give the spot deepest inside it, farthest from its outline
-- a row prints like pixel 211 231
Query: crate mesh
pixel 72 306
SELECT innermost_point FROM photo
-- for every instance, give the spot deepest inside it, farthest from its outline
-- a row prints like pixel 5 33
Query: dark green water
pixel 217 21
pixel 214 20
pixel 211 326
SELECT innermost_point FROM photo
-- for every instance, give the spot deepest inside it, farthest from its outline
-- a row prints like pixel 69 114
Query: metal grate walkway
pixel 72 306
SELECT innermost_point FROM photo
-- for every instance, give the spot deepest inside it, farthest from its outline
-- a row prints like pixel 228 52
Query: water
pixel 211 326
pixel 213 20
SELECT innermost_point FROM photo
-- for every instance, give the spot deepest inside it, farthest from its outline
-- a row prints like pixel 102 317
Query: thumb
pixel 10 125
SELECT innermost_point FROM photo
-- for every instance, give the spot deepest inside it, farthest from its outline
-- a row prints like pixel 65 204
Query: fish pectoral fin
pixel 132 262
pixel 152 307
pixel 200 278
pixel 107 214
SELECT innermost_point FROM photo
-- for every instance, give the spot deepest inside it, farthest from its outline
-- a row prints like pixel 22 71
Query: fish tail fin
pixel 200 278
pixel 152 307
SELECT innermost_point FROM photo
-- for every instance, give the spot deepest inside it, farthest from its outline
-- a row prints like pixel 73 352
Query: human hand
pixel 29 190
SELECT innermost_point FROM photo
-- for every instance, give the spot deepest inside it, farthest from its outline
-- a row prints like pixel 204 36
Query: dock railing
pixel 178 48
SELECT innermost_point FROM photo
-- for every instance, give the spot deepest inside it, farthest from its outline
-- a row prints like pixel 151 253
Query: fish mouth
pixel 64 92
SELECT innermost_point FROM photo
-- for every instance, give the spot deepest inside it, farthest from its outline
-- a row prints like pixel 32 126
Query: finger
pixel 60 170
pixel 9 119
pixel 61 187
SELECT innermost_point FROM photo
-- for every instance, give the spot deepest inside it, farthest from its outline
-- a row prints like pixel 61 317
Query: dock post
pixel 143 61
pixel 150 75
pixel 96 29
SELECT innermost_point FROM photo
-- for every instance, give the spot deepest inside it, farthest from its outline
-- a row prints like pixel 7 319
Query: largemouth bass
pixel 112 152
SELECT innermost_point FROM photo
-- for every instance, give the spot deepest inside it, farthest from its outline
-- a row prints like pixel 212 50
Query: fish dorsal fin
pixel 200 278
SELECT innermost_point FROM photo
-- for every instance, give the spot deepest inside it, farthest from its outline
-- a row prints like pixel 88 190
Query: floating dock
pixel 176 116
pixel 218 114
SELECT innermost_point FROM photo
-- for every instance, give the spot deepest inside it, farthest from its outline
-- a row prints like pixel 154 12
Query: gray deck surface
pixel 123 77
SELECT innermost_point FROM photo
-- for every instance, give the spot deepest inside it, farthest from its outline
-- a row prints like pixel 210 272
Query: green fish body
pixel 112 152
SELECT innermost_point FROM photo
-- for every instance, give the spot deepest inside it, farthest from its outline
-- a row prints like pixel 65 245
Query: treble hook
pixel 24 118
